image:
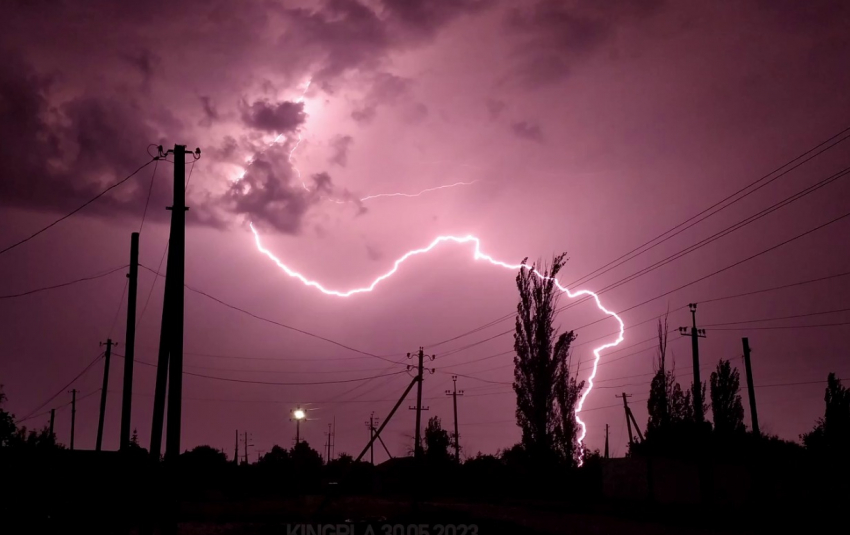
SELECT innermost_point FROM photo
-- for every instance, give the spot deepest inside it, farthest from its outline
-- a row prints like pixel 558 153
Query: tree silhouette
pixel 275 459
pixel 437 442
pixel 305 457
pixel 546 391
pixel 726 399
pixel 831 435
pixel 8 429
pixel 204 457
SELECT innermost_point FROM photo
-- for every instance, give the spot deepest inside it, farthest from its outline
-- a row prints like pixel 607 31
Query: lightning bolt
pixel 368 197
pixel 477 255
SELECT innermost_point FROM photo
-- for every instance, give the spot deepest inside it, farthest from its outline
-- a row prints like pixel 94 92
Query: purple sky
pixel 588 127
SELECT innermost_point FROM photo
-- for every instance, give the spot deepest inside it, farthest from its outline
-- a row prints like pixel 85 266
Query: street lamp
pixel 299 415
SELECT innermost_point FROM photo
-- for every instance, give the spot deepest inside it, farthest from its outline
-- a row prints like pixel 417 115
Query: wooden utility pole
pixel 750 390
pixel 236 449
pixel 606 441
pixel 371 425
pixel 454 393
pixel 328 446
pixel 245 447
pixel 73 415
pixel 129 343
pixel 103 392
pixel 170 359
pixel 695 335
pixel 630 419
pixel 52 417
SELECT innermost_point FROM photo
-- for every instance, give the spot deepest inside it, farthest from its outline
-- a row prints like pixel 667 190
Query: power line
pixel 779 318
pixel 276 383
pixel 782 327
pixel 761 179
pixel 66 216
pixel 277 323
pixel 699 219
pixel 64 388
pixel 150 190
pixel 59 407
pixel 700 279
pixel 64 284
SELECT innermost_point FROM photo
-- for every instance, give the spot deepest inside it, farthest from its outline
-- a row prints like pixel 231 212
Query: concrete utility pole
pixel 454 394
pixel 52 417
pixel 606 441
pixel 750 390
pixel 73 415
pixel 695 335
pixel 170 361
pixel 129 342
pixel 103 392
pixel 417 446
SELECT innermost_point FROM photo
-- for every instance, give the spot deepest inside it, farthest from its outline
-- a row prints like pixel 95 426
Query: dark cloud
pixel 210 111
pixel 342 35
pixel 145 62
pixel 340 146
pixel 426 17
pixel 526 130
pixel 556 34
pixel 364 115
pixel 272 117
pixel 57 157
pixel 270 196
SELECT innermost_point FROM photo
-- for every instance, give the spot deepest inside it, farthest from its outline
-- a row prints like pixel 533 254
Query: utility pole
pixel 245 446
pixel 371 425
pixel 129 343
pixel 103 392
pixel 417 447
pixel 606 441
pixel 695 335
pixel 170 359
pixel 236 449
pixel 73 415
pixel 630 419
pixel 52 417
pixel 328 445
pixel 454 394
pixel 333 438
pixel 750 390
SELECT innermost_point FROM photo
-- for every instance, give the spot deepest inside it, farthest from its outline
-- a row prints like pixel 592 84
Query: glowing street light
pixel 299 415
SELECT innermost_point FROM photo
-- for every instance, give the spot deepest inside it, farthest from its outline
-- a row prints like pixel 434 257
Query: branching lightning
pixel 477 255
pixel 456 184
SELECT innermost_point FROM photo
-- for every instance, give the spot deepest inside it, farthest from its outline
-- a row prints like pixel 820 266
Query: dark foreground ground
pixel 354 515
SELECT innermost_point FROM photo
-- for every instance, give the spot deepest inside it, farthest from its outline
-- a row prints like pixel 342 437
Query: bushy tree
pixel 546 391
pixel 437 442
pixel 277 458
pixel 831 435
pixel 726 399
pixel 304 457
